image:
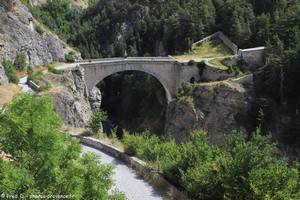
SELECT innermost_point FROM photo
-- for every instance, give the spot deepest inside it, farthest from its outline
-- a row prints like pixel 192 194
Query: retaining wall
pixel 155 178
pixel 211 73
pixel 253 56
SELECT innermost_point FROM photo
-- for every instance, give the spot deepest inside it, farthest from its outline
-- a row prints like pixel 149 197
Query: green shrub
pixel 243 169
pixel 20 62
pixel 70 58
pixel 97 118
pixel 35 76
pixel 233 70
pixel 10 71
pixel 53 69
pixel 185 90
pixel 38 28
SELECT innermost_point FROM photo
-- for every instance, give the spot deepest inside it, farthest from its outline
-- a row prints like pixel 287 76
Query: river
pixel 126 180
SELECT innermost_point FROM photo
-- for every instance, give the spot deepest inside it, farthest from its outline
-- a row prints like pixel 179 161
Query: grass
pixel 209 49
pixel 218 63
pixel 7 93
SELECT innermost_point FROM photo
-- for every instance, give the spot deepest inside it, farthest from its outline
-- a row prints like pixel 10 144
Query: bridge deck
pixel 69 66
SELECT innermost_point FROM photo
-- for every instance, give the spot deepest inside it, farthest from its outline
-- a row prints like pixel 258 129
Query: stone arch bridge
pixel 170 73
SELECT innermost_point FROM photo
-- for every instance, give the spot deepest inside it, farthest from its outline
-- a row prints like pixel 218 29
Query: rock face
pixel 95 98
pixel 3 78
pixel 17 34
pixel 218 108
pixel 71 99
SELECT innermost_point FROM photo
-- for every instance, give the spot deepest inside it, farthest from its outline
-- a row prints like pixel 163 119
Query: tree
pixel 95 123
pixel 42 160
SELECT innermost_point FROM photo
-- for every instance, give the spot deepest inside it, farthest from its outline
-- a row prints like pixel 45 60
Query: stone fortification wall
pixel 254 56
pixel 219 35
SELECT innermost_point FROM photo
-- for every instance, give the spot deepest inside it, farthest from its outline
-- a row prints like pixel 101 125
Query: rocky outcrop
pixel 18 34
pixel 71 97
pixel 3 78
pixel 95 98
pixel 218 108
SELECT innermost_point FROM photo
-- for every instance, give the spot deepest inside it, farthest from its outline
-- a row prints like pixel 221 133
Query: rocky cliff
pixel 18 34
pixel 218 108
pixel 71 97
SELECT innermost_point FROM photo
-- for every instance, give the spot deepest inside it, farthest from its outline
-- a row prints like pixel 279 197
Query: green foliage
pixel 70 58
pixel 38 28
pixel 174 24
pixel 20 61
pixel 233 70
pixel 43 160
pixel 35 76
pixel 10 71
pixel 185 90
pixel 53 69
pixel 95 123
pixel 243 169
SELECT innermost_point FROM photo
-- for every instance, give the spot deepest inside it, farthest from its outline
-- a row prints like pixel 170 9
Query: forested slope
pixel 108 28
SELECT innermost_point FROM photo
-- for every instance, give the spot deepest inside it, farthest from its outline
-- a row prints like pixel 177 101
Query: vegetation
pixel 185 90
pixel 111 28
pixel 35 75
pixel 234 70
pixel 175 24
pixel 243 169
pixel 207 50
pixel 42 160
pixel 10 71
pixel 20 62
pixel 53 69
pixel 70 58
pixel 218 63
pixel 129 96
pixel 38 28
pixel 96 120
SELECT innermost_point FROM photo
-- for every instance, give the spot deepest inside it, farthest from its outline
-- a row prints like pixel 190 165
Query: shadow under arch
pixel 133 96
pixel 157 76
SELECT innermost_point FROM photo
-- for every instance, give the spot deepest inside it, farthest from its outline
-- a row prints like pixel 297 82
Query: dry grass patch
pixel 209 49
pixel 218 64
pixel 7 93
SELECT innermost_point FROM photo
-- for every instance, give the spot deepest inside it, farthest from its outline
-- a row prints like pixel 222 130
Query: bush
pixel 243 169
pixel 234 70
pixel 185 90
pixel 70 58
pixel 95 123
pixel 53 69
pixel 39 29
pixel 10 71
pixel 20 62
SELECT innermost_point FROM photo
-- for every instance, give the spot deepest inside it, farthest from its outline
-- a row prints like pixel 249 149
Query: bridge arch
pixel 156 76
pixel 96 73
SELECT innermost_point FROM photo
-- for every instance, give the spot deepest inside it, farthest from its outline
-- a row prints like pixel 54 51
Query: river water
pixel 126 180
